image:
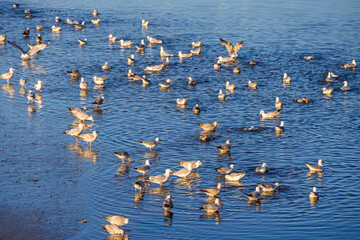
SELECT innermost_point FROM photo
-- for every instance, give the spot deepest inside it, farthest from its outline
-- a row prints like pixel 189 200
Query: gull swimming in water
pixel 221 95
pixel 38 39
pixel 269 188
pixel 156 68
pixel 185 55
pixel 154 40
pixel 8 75
pixel 57 19
pixel 224 148
pixel 74 73
pixel 82 42
pixel 191 81
pixel 237 70
pixel 144 168
pixel 225 170
pixel 162 178
pixel 55 29
pixel 278 103
pixel 150 143
pixel 253 63
pixel 113 229
pixel 75 131
pixel 125 43
pixel 38 86
pixel 327 91
pixel 99 80
pixel 345 87
pixel 69 22
pixel 32 51
pixel 131 59
pixel 234 176
pixel 144 24
pixel 303 100
pixel 252 85
pixel 196 52
pixel 314 196
pixel 112 38
pixel 181 101
pixel 212 192
pixel 165 84
pixel 262 169
pixel 81 26
pixel 99 101
pixel 196 44
pixel 95 21
pixel 212 207
pixel 164 54
pixel 286 78
pixel 231 49
pixel 88 137
pixel 309 57
pixel 186 171
pixel 196 109
pixel 195 164
pixel 168 203
pixel 95 13
pixel 30 97
pixel 349 65
pixel 230 86
pixel 316 168
pixel 269 115
pixel 105 67
pixel 329 78
pixel 281 128
pixel 254 196
pixel 208 126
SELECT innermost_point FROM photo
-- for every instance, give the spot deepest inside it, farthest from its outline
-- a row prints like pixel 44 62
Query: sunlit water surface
pixel 49 184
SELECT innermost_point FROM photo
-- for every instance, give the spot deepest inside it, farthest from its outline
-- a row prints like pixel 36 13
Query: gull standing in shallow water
pixel 113 229
pixel 225 170
pixel 225 148
pixel 123 155
pixel 314 196
pixel 75 131
pixel 208 126
pixel 30 97
pixel 8 75
pixel 83 84
pixel 162 178
pixel 254 196
pixel 144 168
pixel 234 176
pixel 212 192
pixel 88 137
pixel 99 101
pixel 212 207
pixel 316 168
pixel 185 171
pixel 151 143
pixel 168 203
pixel 262 169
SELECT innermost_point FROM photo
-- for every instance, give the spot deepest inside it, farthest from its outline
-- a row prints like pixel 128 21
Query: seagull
pixel 185 55
pixel 69 22
pixel 16 5
pixel 345 87
pixel 262 169
pixel 226 60
pixel 99 80
pixel 38 86
pixel 254 196
pixel 191 81
pixel 95 21
pixel 196 109
pixel 208 126
pixel 105 67
pixel 38 39
pixel 278 103
pixel 74 73
pixel 162 178
pixel 216 66
pixel 144 24
pixel 164 54
pixel 99 101
pixel 112 38
pixel 117 220
pixel 196 44
pixel 139 185
pixel 281 128
pixel 113 229
pixel 225 170
pixel 150 143
pixel 83 84
pixel 196 52
pixel 269 115
pixel 55 29
pixel 22 82
pixel 314 196
pixel 88 137
pixel 8 75
pixel 234 176
pixel 2 38
pixel 145 81
pixel 212 207
pixel 231 49
pixel 131 59
pixel 156 68
pixel 75 131
pixel 30 97
pixel 140 47
pixel 168 203
pixel 252 85
pixel 181 101
pixel 125 43
pixel 230 87
pixel 81 26
pixel 154 40
pixel 195 164
pixel 309 57
pixel 123 155
pixel 269 187
pixel 286 78
pixel 82 42
pixel 57 19
pixel 204 138
pixel 32 51
pixel 221 95
pixel 253 62
pixel 302 100
pixel 80 114
pixel 26 32
pixel 349 65
pixel 185 171
pixel 212 192
pixel 144 168
pixel 130 74
pixel 138 78
pixel 95 13
pixel 165 84
pixel 329 78
pixel 316 168
pixel 333 75
pixel 225 148
pixel 236 70
pixel 327 90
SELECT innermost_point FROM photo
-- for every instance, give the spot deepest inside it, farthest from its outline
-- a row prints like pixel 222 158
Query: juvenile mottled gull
pixel 196 51
pixel 286 78
pixel 168 203
pixel 195 164
pixel 162 178
pixel 212 192
pixel 99 101
pixel 225 170
pixel 144 168
pixel 267 187
pixel 185 171
pixel 254 196
pixel 8 75
pixel 345 87
pixel 75 111
pixel 262 169
pixel 314 196
pixel 75 131
pixel 252 85
pixel 281 128
pixel 32 51
pixel 208 126
pixel 22 82
pixel 316 168
pixel 269 115
pixel 117 220
pixel 88 137
pixel 224 148
pixel 278 103
pixel 234 176
pixel 230 86
pixel 150 143
pixel 349 65
pixel 231 49
pixel 303 100
pixel 212 207
pixel 74 73
pixel 113 229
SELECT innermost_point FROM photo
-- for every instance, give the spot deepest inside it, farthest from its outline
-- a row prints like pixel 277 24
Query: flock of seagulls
pixel 82 115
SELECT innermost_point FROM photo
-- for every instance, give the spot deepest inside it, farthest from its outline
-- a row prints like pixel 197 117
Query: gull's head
pixel 216 123
pixel 219 185
pixel 353 61
pixel 168 171
pixel 285 75
pixel 142 42
pixel 94 77
pixel 157 139
pixel 232 166
pixel 110 36
pixel 320 162
pixel 180 53
pixel 277 99
pixel 132 56
pixel 228 142
pixel 314 189
pixel 91 119
pixel 148 37
pixel 217 201
pixel 147 162
pixel 169 80
pixel 220 91
pixel 257 189
pixel 277 184
pixel 264 165
pixel 261 112
pixel 12 69
pixel 282 124
pixel 198 163
pixel 345 83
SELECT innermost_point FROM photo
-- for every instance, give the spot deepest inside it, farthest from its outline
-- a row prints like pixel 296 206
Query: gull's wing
pixel 16 46
pixel 228 45
pixel 238 46
pixel 37 48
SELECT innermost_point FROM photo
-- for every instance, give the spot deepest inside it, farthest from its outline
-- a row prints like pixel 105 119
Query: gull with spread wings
pixel 32 51
pixel 232 50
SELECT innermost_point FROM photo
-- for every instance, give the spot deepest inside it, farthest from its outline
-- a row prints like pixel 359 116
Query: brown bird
pixel 113 229
pixel 231 49
pixel 8 75
pixel 212 192
pixel 117 220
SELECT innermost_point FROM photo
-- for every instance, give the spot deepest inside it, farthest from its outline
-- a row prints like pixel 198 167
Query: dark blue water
pixel 49 184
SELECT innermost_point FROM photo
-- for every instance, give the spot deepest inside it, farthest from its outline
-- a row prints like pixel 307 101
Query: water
pixel 49 184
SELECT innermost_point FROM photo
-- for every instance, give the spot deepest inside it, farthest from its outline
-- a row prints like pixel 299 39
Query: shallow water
pixel 49 184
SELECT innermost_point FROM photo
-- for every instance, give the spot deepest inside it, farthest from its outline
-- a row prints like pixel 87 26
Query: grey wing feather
pixel 37 48
pixel 16 46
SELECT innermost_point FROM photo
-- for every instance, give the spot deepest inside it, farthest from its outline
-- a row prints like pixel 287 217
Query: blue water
pixel 49 184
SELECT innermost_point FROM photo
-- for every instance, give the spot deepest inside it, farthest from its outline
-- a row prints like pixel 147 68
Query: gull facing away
pixel 32 51
pixel 113 229
pixel 208 126
pixel 162 178
pixel 314 196
pixel 150 143
pixel 281 128
pixel 8 75
pixel 349 65
pixel 254 196
pixel 144 168
pixel 269 115
pixel 231 49
pixel 303 100
pixel 225 170
pixel 154 40
pixel 234 176
pixel 196 109
pixel 74 73
pixel 316 168
pixel 185 171
pixel 95 13
pixel 88 137
pixel 80 114
pixel 144 24
pixel 75 131
pixel 269 188
pixel 278 103
pixel 105 67
pixel 224 148
pixel 117 220
pixel 262 169
pixel 212 192
pixel 168 203
pixel 212 207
